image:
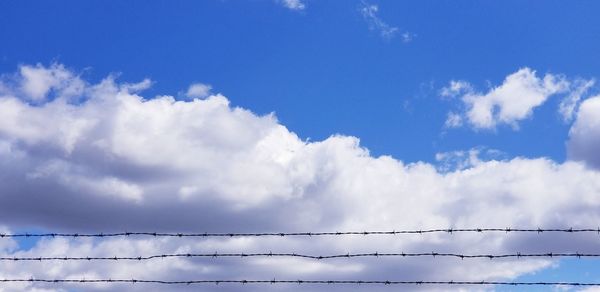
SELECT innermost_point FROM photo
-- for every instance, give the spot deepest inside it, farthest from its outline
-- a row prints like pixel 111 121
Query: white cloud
pixel 453 120
pixel 369 13
pixel 137 87
pixel 198 90
pixel 584 136
pixel 37 81
pixel 456 88
pixel 293 4
pixel 509 103
pixel 407 37
pixel 459 160
pixel 569 104
pixel 118 161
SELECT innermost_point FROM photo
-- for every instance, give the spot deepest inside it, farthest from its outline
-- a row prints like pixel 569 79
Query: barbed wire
pixel 298 255
pixel 309 234
pixel 274 281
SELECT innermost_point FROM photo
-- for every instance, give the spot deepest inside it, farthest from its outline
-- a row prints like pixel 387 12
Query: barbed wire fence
pixel 306 256
pixel 274 281
pixel 432 254
pixel 309 234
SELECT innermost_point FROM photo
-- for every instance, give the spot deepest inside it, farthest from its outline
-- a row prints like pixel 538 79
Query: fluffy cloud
pixel 509 103
pixel 118 161
pixel 35 83
pixel 584 136
pixel 198 90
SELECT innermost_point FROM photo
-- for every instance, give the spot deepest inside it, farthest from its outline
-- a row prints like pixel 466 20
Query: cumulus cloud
pixel 584 135
pixel 293 4
pixel 118 161
pixel 35 83
pixel 508 104
pixel 198 90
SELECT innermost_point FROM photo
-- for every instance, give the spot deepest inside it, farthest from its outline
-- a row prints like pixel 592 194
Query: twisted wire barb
pixel 297 255
pixel 393 232
pixel 274 281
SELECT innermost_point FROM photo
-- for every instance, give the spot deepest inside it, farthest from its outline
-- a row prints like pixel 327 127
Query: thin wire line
pixel 393 232
pixel 274 281
pixel 297 255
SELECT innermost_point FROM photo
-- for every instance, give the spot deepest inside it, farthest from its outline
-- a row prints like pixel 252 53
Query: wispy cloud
pixel 407 36
pixel 569 104
pixel 293 4
pixel 369 13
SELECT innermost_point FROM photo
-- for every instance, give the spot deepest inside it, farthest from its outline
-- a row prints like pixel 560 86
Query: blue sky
pixel 321 69
pixel 374 70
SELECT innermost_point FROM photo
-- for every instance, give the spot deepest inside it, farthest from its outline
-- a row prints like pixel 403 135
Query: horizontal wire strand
pixel 297 255
pixel 309 234
pixel 274 281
